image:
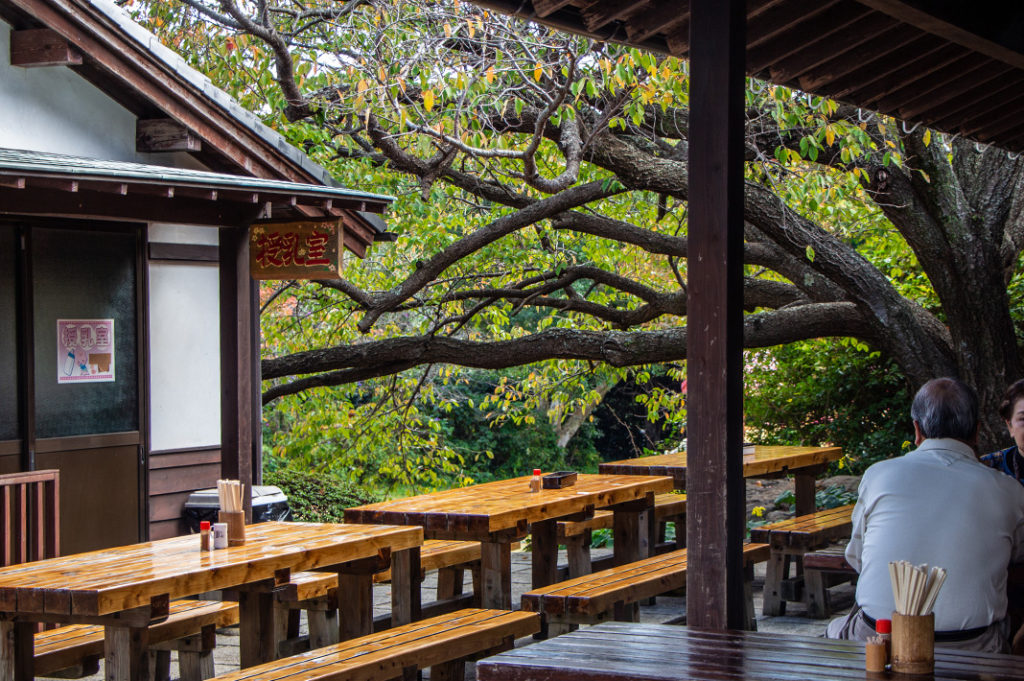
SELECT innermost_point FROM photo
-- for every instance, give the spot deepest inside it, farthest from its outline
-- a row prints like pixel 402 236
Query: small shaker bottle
pixel 220 535
pixel 884 629
pixel 205 543
pixel 535 481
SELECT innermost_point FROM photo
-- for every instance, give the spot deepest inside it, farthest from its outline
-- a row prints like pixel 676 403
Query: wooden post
pixel 715 487
pixel 239 354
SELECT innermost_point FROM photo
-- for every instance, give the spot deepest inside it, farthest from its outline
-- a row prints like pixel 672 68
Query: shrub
pixel 318 497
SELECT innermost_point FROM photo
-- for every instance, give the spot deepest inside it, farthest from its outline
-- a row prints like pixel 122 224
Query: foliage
pixel 318 498
pixel 541 183
pixel 824 499
pixel 825 392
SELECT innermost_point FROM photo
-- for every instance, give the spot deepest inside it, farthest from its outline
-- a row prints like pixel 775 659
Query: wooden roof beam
pixel 849 70
pixel 927 81
pixel 659 19
pixel 822 27
pixel 545 8
pixel 867 28
pixel 600 14
pixel 961 93
pixel 775 20
pixel 160 135
pixel 42 47
pixel 996 108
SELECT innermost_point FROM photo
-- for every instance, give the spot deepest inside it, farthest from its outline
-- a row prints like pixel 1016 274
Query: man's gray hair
pixel 946 407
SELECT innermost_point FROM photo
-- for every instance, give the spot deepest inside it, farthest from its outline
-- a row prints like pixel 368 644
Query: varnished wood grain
pixel 626 652
pixel 111 580
pixel 764 460
pixel 505 504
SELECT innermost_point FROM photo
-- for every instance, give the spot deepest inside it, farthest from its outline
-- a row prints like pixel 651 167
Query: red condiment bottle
pixel 535 481
pixel 884 629
pixel 205 541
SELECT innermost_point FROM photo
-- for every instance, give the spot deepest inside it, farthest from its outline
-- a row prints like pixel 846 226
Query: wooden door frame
pixel 25 339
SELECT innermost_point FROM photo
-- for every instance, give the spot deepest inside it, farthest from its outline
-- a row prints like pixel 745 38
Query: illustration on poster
pixel 85 350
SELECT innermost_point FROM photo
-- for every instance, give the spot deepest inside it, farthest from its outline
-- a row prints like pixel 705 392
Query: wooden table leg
pixel 544 552
pixel 16 650
pixel 257 641
pixel 632 530
pixel 405 586
pixel 355 606
pixel 496 575
pixel 126 653
pixel 803 489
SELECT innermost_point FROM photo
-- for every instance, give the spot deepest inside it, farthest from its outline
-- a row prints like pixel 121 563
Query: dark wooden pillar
pixel 239 352
pixel 715 488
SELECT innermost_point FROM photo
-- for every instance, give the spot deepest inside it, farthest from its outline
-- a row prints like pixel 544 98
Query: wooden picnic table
pixel 623 651
pixel 499 513
pixel 805 463
pixel 127 588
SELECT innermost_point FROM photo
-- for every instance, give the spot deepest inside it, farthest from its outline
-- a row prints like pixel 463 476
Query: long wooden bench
pixel 790 540
pixel 615 592
pixel 444 643
pixel 316 593
pixel 576 535
pixel 823 569
pixel 189 628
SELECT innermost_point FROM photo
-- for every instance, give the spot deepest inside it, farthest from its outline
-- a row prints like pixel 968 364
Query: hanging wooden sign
pixel 296 250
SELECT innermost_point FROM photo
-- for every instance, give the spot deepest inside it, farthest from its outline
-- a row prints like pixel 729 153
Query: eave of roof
pixel 947 65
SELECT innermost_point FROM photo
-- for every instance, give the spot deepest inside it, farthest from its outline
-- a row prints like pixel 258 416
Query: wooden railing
pixel 29 516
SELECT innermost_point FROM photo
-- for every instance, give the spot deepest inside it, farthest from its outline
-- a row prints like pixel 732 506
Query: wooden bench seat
pixel 189 628
pixel 576 535
pixel 823 569
pixel 792 539
pixel 443 643
pixel 616 591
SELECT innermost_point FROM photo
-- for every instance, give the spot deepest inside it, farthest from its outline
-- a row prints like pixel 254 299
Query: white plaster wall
pixel 168 233
pixel 52 109
pixel 184 351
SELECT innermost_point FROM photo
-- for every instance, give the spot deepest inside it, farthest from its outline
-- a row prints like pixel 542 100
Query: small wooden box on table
pixel 500 513
pixel 126 589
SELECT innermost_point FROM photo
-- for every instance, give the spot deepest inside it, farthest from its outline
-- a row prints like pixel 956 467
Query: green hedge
pixel 318 497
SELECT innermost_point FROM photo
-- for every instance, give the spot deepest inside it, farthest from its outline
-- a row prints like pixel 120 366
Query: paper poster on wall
pixel 85 350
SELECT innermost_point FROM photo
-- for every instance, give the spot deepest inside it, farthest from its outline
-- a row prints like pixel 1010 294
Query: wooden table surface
pixel 498 513
pixel 655 652
pixel 804 462
pixel 124 588
pixel 481 511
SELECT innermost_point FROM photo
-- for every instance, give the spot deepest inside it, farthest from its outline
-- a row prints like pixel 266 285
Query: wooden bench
pixel 824 569
pixel 615 592
pixel 189 628
pixel 790 540
pixel 29 516
pixel 576 535
pixel 444 643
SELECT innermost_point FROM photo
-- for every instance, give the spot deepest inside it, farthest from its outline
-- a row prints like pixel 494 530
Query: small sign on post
pixel 296 250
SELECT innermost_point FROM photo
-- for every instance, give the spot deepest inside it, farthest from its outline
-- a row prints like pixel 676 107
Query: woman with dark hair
pixel 1011 460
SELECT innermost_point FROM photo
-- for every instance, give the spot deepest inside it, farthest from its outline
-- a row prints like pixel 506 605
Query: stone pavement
pixel 666 608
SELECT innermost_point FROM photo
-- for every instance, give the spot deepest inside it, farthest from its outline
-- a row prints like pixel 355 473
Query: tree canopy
pixel 541 215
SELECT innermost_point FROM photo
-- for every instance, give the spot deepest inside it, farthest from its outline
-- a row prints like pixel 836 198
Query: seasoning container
pixel 884 630
pixel 535 482
pixel 874 655
pixel 220 535
pixel 205 543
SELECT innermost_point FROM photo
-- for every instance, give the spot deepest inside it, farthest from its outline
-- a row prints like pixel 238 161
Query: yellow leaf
pixel 927 139
pixel 361 86
pixel 447 30
pixel 382 74
pixel 489 77
pixel 460 81
pixel 538 71
pixel 830 135
pixel 428 99
pixel 472 28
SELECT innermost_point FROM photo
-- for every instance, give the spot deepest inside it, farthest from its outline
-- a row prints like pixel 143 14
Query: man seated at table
pixel 941 506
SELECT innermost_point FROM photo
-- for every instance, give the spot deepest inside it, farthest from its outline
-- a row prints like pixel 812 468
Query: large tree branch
pixel 345 364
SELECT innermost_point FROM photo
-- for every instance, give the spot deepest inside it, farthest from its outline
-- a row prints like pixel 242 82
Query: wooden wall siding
pixel 173 476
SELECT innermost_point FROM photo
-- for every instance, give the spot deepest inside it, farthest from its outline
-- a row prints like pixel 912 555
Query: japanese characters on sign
pixel 85 350
pixel 296 250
